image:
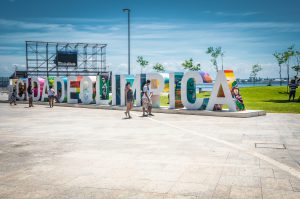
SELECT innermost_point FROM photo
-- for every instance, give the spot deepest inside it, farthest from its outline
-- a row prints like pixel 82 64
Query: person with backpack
pixel 51 94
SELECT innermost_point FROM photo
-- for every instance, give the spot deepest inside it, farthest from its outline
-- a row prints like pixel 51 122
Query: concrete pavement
pixel 90 153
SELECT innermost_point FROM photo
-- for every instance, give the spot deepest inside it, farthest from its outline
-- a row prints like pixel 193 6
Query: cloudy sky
pixel 164 31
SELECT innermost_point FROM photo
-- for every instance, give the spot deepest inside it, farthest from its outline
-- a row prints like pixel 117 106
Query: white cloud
pixel 235 14
pixel 8 63
pixel 35 26
pixel 274 26
pixel 169 43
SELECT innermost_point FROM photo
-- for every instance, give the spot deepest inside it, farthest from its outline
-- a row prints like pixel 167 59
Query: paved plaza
pixel 90 153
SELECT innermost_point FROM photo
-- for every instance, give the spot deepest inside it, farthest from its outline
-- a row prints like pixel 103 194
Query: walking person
pixel 51 94
pixel 30 97
pixel 13 96
pixel 129 100
pixel 146 99
pixel 57 96
pixel 293 87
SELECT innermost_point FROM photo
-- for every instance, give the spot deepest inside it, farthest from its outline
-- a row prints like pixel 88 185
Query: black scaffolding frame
pixel 41 59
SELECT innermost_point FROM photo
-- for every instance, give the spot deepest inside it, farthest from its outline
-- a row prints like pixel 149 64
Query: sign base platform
pixel 223 113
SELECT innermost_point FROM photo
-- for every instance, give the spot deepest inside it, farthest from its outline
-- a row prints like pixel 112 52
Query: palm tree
pixel 189 65
pixel 215 53
pixel 297 66
pixel 143 63
pixel 255 69
pixel 158 67
pixel 286 57
pixel 280 60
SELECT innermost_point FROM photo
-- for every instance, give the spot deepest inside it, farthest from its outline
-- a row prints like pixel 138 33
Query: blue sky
pixel 164 31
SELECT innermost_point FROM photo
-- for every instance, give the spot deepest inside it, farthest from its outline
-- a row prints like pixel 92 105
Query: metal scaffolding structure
pixel 44 59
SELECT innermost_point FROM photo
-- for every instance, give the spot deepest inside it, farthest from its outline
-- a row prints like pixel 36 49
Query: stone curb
pixel 240 114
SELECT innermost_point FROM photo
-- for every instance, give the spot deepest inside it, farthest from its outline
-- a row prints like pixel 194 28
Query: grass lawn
pixel 273 99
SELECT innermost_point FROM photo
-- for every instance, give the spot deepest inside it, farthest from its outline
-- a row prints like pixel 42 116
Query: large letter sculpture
pixel 86 90
pixel 61 90
pixel 122 88
pixel 181 88
pixel 45 90
pixel 136 88
pixel 70 90
pixel 156 87
pixel 102 90
pixel 135 82
pixel 197 80
pixel 175 90
pixel 221 85
pixel 36 94
pixel 22 97
pixel 116 99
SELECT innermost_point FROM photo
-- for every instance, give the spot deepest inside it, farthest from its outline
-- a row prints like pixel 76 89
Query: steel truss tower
pixel 44 59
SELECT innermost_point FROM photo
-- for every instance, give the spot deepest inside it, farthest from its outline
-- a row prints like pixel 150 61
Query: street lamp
pixel 15 65
pixel 128 14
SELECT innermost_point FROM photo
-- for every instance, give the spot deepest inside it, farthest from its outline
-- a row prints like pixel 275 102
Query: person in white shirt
pixel 51 94
pixel 146 99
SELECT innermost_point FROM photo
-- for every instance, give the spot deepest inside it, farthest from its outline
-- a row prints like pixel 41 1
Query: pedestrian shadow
pixel 285 93
pixel 280 101
pixel 143 116
pixel 126 118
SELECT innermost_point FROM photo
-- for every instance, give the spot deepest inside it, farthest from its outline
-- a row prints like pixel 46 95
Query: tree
pixel 189 65
pixel 297 66
pixel 222 56
pixel 159 67
pixel 280 60
pixel 143 63
pixel 286 57
pixel 215 53
pixel 255 69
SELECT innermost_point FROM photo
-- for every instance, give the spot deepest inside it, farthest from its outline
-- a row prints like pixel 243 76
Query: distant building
pixel 4 82
pixel 19 74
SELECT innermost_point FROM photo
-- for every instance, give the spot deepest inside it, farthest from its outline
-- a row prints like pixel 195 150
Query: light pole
pixel 128 14
pixel 15 65
pixel 222 54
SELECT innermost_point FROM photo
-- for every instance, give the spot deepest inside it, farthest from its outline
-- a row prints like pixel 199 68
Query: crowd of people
pixel 30 91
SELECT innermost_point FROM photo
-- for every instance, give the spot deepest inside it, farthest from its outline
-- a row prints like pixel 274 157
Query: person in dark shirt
pixel 13 96
pixel 129 100
pixel 29 91
pixel 293 87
